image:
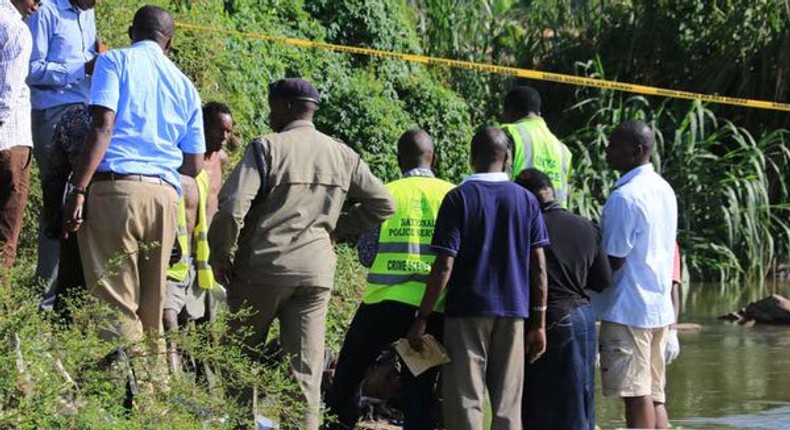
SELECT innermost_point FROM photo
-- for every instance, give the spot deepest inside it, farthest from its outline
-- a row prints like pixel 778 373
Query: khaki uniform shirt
pixel 283 222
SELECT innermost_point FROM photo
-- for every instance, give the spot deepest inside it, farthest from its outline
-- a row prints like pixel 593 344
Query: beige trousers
pixel 302 314
pixel 485 352
pixel 125 247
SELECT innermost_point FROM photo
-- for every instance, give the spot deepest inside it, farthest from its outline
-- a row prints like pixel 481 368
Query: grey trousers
pixel 44 122
pixel 302 314
pixel 485 353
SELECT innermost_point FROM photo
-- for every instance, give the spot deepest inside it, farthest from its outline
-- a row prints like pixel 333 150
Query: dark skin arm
pixel 437 281
pixel 92 153
pixel 535 344
pixel 192 164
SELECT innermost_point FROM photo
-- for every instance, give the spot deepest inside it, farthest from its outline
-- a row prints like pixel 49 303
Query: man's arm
pixel 367 247
pixel 538 296
pixel 192 165
pixel 437 281
pixel 375 203
pixel 92 153
pixel 235 200
pixel 48 73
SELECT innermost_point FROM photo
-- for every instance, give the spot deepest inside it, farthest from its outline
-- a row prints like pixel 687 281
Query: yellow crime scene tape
pixel 491 68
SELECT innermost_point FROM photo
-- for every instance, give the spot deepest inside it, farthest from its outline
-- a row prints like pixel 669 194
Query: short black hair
pixel 153 23
pixel 211 109
pixel 523 100
pixel 534 180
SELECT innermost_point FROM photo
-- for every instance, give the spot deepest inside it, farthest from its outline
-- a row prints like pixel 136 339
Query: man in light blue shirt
pixel 146 114
pixel 639 225
pixel 62 60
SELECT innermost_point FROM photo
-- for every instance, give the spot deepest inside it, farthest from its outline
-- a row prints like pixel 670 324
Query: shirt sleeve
pixel 11 78
pixel 42 71
pixel 375 203
pixel 194 141
pixel 235 200
pixel 621 222
pixel 539 234
pixel 449 225
pixel 106 83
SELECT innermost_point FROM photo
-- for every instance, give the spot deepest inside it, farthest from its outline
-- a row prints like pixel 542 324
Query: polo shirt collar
pixel 633 173
pixel 297 124
pixel 488 177
pixel 551 206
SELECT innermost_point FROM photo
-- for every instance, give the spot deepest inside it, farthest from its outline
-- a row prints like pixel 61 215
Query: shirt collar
pixel 633 173
pixel 418 171
pixel 296 124
pixel 8 6
pixel 149 44
pixel 551 206
pixel 66 5
pixel 488 177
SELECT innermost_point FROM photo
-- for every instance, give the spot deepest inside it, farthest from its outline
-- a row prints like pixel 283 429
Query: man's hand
pixel 416 332
pixel 223 272
pixel 535 344
pixel 73 212
pixel 672 348
pixel 101 48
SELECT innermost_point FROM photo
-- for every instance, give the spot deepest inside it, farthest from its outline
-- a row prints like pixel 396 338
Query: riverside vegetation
pixel 728 165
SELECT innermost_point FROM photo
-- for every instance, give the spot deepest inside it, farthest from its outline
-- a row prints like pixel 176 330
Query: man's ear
pixel 168 44
pixel 433 159
pixel 130 32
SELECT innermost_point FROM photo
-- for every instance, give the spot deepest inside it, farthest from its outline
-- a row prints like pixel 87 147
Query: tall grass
pixel 725 178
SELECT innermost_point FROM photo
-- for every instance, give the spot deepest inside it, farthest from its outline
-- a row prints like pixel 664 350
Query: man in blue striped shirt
pixel 61 62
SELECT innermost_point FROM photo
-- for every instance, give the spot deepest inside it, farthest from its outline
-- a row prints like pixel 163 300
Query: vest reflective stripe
pixel 535 146
pixel 382 278
pixel 180 270
pixel 404 256
pixel 205 276
pixel 406 248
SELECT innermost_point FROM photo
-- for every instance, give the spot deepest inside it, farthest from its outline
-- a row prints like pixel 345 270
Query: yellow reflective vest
pixel 404 257
pixel 179 271
pixel 544 152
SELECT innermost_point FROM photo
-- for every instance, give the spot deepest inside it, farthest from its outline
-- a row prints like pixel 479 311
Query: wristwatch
pixel 75 189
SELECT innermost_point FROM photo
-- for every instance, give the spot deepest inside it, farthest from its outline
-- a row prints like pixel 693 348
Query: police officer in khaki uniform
pixel 282 203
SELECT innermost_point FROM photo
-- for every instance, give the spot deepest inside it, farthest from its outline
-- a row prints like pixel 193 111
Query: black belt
pixel 110 176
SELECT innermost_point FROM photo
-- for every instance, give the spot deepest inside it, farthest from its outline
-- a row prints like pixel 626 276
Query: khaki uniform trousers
pixel 485 352
pixel 125 245
pixel 302 314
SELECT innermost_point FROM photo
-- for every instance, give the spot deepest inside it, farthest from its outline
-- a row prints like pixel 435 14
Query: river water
pixel 727 376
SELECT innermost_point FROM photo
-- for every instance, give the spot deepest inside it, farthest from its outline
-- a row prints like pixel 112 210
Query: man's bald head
pixel 415 150
pixel 152 23
pixel 630 145
pixel 489 150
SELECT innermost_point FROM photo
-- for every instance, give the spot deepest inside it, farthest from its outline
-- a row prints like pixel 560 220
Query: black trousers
pixel 373 328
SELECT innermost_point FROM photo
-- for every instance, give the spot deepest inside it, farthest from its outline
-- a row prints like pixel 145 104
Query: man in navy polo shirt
pixel 489 240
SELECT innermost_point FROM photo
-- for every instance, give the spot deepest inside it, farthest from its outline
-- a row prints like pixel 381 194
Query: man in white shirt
pixel 639 224
pixel 15 132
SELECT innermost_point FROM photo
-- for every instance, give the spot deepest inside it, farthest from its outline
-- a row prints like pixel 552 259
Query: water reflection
pixel 727 376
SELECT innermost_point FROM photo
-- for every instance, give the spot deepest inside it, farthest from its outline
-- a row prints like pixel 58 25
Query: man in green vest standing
pixel 399 256
pixel 533 144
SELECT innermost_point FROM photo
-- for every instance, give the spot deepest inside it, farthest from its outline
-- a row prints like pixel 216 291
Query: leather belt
pixel 110 176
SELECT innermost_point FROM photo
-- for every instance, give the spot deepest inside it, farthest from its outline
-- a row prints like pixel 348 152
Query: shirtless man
pixel 218 128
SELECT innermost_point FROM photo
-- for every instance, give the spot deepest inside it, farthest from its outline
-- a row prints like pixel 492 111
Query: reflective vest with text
pixel 404 255
pixel 544 152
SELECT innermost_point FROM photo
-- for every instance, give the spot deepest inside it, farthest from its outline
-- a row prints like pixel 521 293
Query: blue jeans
pixel 558 388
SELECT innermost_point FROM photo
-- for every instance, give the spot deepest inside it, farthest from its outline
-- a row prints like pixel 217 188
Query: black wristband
pixel 75 189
